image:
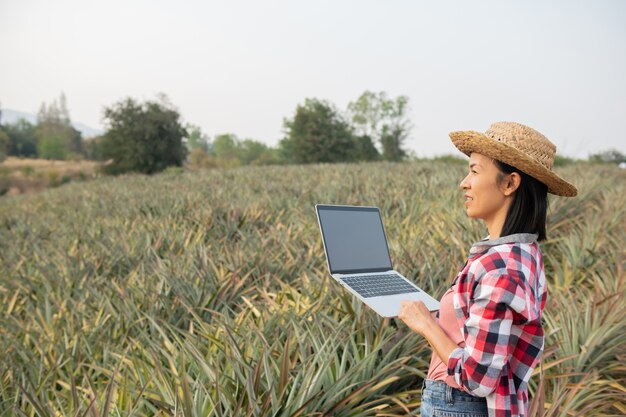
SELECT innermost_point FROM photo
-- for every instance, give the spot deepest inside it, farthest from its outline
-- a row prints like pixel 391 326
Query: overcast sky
pixel 243 66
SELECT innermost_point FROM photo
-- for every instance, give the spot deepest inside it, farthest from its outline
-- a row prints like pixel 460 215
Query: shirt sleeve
pixel 477 367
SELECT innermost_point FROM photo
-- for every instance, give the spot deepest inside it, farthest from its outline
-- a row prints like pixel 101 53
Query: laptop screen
pixel 354 239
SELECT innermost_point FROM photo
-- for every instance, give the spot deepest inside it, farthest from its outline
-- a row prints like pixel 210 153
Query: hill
pixel 10 116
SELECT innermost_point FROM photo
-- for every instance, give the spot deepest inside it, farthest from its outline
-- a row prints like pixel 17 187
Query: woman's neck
pixel 496 223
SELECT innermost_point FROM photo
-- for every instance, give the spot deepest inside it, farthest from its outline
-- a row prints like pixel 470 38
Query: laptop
pixel 358 258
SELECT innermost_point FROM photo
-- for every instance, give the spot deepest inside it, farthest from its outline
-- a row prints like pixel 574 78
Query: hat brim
pixel 468 141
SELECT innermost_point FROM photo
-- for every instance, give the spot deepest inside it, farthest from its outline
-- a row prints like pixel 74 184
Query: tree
pixel 391 141
pixel 196 139
pixel 317 133
pixel 384 120
pixel 52 147
pixel 229 151
pixel 5 140
pixel 56 137
pixel 5 144
pixel 364 149
pixel 92 148
pixel 225 147
pixel 143 137
pixel 23 141
pixel 270 156
pixel 611 156
pixel 201 159
pixel 251 150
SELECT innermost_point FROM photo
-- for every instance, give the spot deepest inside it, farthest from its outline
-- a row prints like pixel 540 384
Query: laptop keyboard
pixel 377 285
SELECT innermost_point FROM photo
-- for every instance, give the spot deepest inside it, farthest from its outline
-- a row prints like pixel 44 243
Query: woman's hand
pixel 415 315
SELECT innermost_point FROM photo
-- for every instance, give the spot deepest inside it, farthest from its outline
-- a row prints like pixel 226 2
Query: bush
pixel 451 159
pixel 611 156
pixel 5 184
pixel 318 133
pixel 174 170
pixel 200 159
pixel 561 161
pixel 5 143
pixel 143 137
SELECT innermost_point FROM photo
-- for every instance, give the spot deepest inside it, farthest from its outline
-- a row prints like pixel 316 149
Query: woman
pixel 488 335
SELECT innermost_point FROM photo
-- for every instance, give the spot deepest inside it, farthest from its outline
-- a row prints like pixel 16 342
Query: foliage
pixel 209 295
pixel 391 142
pixel 318 133
pixel 22 135
pixel 251 151
pixel 52 147
pixel 200 159
pixel 561 161
pixel 143 137
pixel 229 151
pixel 196 139
pixel 383 119
pixel 92 148
pixel 611 156
pixel 225 146
pixel 452 159
pixel 364 149
pixel 55 136
pixel 5 144
pixel 269 156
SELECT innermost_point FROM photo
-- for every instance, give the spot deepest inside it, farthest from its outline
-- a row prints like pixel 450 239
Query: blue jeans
pixel 441 400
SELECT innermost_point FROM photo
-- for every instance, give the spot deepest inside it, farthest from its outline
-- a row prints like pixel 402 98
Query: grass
pixel 23 175
pixel 207 294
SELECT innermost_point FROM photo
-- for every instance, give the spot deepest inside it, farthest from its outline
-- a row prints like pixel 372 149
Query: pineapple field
pixel 207 293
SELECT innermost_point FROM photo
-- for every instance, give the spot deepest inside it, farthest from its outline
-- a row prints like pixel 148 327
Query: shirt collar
pixel 485 244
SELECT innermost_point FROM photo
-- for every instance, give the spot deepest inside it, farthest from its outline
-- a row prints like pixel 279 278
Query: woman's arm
pixel 477 367
pixel 419 319
pixel 487 330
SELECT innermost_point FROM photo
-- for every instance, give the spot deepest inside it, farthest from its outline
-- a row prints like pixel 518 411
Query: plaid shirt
pixel 499 300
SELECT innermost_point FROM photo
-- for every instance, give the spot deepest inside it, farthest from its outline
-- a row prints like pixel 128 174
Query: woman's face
pixel 485 198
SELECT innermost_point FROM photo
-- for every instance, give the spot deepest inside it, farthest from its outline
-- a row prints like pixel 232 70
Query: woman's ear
pixel 511 183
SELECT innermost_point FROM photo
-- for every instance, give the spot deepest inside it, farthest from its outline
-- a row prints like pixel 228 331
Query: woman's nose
pixel 464 183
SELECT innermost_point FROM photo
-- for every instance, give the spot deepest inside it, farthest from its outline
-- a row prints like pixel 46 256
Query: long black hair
pixel 527 213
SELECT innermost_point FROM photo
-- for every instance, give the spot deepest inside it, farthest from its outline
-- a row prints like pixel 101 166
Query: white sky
pixel 243 66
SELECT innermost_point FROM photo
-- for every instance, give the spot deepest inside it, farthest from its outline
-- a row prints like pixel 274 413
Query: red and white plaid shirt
pixel 499 301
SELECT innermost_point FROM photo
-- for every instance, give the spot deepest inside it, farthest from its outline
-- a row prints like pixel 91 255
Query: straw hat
pixel 519 146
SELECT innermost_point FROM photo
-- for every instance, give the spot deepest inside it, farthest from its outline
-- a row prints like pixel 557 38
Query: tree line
pixel 52 137
pixel 150 136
